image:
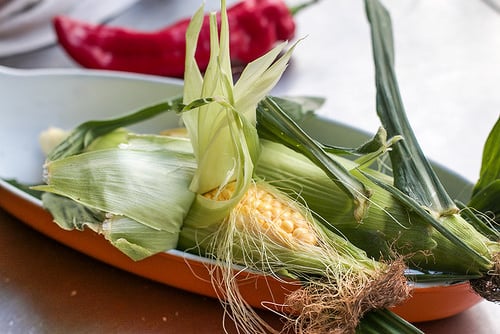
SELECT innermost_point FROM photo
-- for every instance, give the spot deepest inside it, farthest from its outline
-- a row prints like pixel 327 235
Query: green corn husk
pixel 388 227
pixel 113 180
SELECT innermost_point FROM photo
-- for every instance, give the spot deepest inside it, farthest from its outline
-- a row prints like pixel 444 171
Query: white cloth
pixel 26 25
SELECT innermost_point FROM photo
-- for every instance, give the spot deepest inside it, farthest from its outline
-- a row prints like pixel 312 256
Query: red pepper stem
pixel 295 9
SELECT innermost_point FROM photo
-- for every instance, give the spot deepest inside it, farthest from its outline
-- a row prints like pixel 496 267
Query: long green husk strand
pixel 413 175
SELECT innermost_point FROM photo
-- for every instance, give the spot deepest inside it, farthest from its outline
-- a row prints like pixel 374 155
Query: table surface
pixel 448 66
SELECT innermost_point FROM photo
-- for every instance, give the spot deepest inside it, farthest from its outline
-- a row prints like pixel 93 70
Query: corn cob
pixel 272 216
pixel 269 232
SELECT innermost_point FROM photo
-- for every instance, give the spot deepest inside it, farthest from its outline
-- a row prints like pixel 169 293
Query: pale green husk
pixel 222 131
pixel 130 184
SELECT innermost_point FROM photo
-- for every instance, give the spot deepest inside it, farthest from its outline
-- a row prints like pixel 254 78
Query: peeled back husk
pixel 131 188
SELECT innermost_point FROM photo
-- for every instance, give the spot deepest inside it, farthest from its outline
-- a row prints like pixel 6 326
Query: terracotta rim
pixel 191 273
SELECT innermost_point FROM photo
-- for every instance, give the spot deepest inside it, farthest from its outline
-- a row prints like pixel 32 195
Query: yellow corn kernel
pixel 273 217
pixel 286 225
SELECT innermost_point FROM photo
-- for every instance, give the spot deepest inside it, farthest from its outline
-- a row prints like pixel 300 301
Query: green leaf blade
pixel 413 173
pixel 81 137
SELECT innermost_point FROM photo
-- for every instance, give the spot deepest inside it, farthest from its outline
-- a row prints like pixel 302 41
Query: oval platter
pixel 33 100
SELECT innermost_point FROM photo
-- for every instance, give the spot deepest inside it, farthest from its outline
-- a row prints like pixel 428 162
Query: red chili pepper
pixel 255 27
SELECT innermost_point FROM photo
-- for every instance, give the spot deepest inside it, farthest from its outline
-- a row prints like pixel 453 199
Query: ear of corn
pixel 414 176
pixel 237 219
pixel 109 177
pixel 272 233
pixel 388 226
pixel 136 185
pixel 426 202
